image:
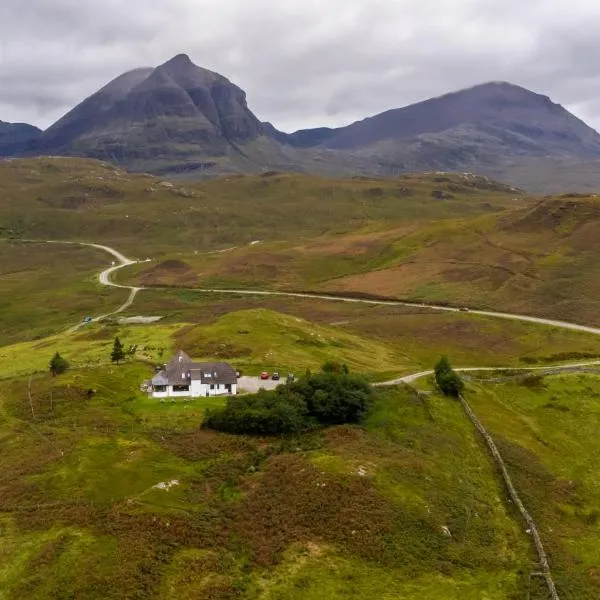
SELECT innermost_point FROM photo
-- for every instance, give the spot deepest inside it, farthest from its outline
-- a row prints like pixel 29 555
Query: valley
pixel 285 273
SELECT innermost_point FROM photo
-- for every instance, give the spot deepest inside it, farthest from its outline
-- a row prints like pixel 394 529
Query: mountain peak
pixel 179 59
pixel 177 109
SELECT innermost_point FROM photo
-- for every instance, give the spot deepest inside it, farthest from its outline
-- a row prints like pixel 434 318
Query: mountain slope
pixel 180 119
pixel 496 129
pixel 523 120
pixel 14 137
pixel 175 113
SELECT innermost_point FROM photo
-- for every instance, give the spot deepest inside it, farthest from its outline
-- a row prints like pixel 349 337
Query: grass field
pixel 45 288
pixel 540 261
pixel 547 430
pixel 292 336
pixel 86 200
pixel 105 493
pixel 242 517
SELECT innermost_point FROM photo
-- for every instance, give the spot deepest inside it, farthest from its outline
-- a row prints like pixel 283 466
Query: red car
pixel 264 375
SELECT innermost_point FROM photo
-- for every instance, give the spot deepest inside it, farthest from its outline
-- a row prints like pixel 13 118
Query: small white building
pixel 183 378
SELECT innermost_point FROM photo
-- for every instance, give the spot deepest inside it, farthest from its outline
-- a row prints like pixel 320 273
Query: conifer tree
pixel 118 352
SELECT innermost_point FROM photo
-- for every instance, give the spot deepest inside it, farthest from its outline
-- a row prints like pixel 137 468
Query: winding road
pixel 105 279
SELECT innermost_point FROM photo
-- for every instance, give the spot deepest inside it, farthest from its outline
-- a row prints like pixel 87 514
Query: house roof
pixel 181 369
pixel 214 373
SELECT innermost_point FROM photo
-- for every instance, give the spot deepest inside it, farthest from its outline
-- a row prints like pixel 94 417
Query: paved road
pixel 104 279
pixel 416 376
pixel 485 313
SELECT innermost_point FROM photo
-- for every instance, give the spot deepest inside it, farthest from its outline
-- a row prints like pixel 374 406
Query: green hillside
pixel 539 260
pixel 63 198
pixel 244 518
pixel 106 493
pixel 44 288
pixel 547 431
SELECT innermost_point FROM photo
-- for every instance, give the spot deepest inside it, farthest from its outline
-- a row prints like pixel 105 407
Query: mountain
pixel 181 119
pixel 526 122
pixel 494 128
pixel 175 114
pixel 304 138
pixel 14 137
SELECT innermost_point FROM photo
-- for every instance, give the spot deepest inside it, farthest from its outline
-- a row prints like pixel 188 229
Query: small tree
pixel 58 365
pixel 447 379
pixel 118 352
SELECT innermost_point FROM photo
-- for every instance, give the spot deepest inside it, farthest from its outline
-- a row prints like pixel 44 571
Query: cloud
pixel 303 63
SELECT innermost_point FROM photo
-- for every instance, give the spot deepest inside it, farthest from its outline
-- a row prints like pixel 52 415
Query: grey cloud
pixel 303 62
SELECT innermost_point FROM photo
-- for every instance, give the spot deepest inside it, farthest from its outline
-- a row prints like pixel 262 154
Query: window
pixel 181 388
pixel 212 386
pixel 160 388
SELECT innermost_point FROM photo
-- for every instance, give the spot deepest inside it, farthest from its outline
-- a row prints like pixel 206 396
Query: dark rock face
pixel 15 137
pixel 176 110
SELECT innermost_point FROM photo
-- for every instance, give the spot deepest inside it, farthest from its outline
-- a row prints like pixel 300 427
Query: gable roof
pixel 214 373
pixel 181 370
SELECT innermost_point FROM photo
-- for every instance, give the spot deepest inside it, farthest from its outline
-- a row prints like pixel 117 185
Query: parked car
pixel 463 309
pixel 87 319
pixel 238 373
pixel 264 375
pixel 275 376
pixel 291 377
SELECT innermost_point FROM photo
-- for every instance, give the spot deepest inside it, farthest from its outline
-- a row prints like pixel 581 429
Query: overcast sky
pixel 303 63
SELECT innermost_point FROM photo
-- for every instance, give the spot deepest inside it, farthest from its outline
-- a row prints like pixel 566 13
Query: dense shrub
pixel 58 365
pixel 447 379
pixel 326 398
pixel 334 398
pixel 264 413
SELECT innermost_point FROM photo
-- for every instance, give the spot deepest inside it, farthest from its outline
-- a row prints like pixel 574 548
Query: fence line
pixel 543 557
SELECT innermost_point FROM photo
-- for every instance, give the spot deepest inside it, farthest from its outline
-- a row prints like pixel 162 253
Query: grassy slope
pixel 45 288
pixel 249 518
pixel 92 201
pixel 548 434
pixel 380 342
pixel 540 260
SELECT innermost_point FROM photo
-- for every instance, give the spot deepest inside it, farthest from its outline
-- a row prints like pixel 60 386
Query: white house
pixel 183 378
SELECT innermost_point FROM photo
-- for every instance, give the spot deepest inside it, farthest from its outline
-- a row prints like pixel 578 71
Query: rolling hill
pixel 538 259
pixel 65 198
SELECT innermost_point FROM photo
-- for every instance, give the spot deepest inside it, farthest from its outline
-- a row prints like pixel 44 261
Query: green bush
pixel 58 365
pixel 334 398
pixel 327 398
pixel 447 379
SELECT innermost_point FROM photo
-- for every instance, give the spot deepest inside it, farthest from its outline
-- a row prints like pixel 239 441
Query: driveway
pixel 253 384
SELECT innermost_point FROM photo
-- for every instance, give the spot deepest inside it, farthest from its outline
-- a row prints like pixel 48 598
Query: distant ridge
pixel 15 137
pixel 181 119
